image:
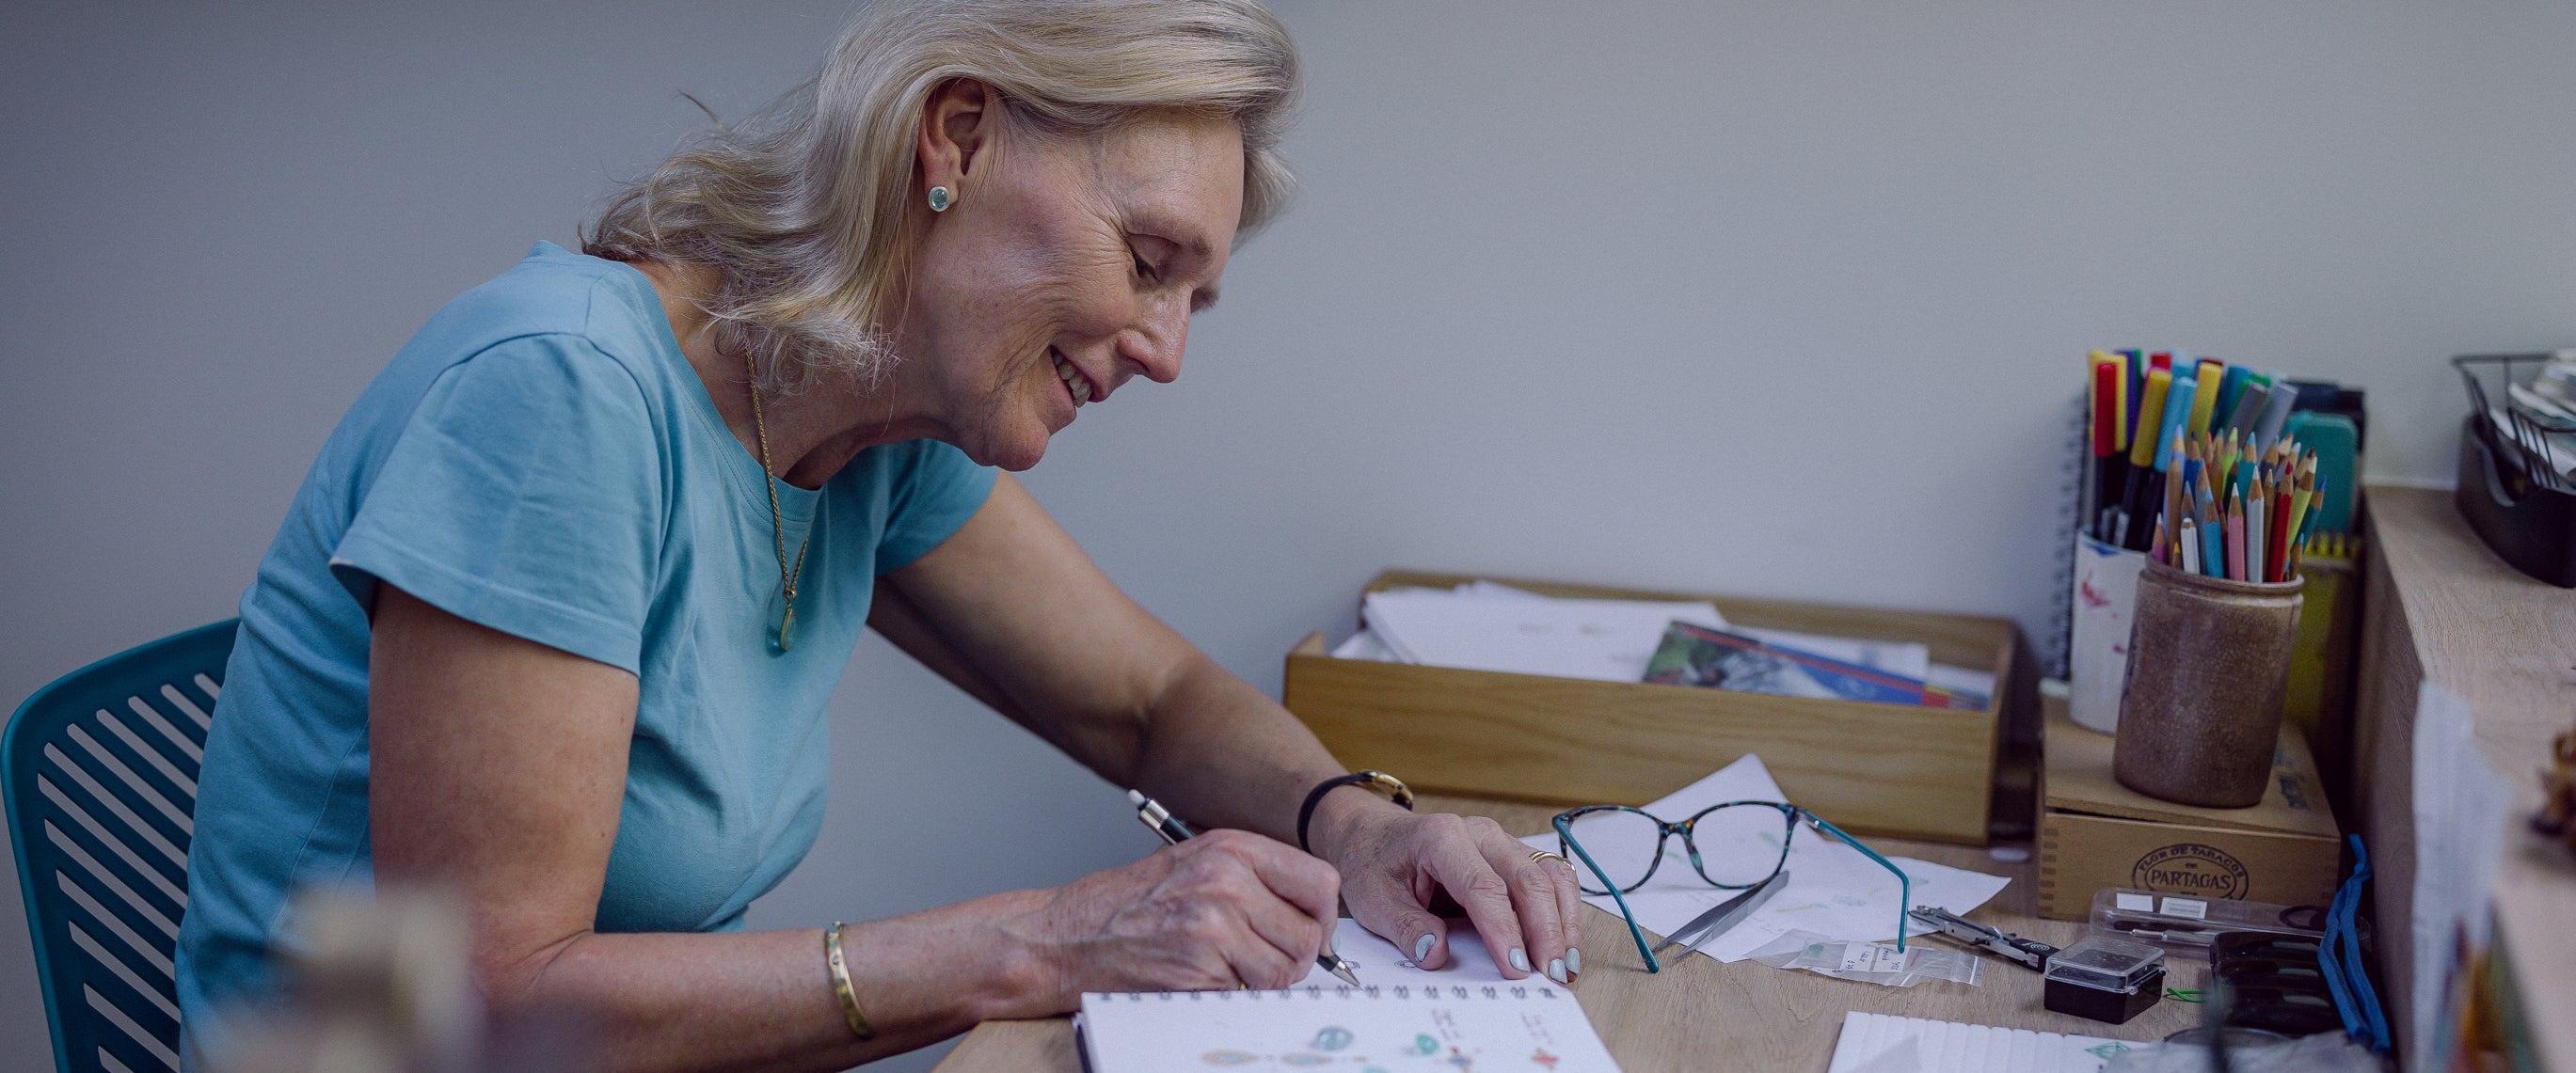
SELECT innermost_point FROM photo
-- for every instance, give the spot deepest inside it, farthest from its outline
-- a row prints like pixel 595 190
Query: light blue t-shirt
pixel 540 459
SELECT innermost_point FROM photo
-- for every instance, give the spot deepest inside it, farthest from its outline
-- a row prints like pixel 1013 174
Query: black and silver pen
pixel 1152 814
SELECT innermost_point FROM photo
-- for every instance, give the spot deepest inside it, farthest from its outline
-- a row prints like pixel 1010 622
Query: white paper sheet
pixel 1376 961
pixel 1963 680
pixel 1833 889
pixel 2460 807
pixel 1495 590
pixel 1365 645
pixel 1604 640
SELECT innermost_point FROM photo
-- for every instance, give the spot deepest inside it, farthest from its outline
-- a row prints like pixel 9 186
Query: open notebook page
pixel 1401 1028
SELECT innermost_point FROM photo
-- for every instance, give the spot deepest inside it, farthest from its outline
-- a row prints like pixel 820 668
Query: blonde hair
pixel 803 214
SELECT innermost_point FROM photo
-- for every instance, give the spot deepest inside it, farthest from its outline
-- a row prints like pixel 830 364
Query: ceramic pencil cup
pixel 2209 665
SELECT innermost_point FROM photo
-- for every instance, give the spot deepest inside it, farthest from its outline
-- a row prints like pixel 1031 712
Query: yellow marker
pixel 2151 412
pixel 2204 394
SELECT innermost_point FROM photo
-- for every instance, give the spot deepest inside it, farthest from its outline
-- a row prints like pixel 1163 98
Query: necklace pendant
pixel 783 638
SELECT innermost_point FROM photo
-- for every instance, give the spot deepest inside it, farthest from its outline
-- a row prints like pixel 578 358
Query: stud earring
pixel 940 199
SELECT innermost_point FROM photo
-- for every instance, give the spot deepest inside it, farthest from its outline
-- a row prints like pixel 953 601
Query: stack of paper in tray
pixel 1481 625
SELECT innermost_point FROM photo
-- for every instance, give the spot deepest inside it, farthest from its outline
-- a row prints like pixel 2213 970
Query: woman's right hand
pixel 1224 910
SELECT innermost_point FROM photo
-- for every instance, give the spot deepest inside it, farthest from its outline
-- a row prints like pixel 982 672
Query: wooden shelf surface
pixel 2442 608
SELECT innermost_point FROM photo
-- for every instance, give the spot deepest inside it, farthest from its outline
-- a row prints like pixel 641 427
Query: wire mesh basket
pixel 2532 435
pixel 2517 473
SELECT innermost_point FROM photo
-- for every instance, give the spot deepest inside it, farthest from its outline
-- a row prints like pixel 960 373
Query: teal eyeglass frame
pixel 1790 815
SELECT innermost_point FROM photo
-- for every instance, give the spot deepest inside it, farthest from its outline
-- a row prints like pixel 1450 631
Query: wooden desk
pixel 1699 1014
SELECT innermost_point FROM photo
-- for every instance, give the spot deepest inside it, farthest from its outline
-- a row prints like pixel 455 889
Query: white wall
pixel 1777 298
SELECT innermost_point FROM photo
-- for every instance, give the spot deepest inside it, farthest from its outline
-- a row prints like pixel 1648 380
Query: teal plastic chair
pixel 99 771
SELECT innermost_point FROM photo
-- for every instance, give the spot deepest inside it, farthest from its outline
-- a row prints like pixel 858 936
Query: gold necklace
pixel 785 637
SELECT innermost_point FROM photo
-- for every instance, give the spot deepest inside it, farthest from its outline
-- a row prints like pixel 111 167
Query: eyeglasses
pixel 1735 845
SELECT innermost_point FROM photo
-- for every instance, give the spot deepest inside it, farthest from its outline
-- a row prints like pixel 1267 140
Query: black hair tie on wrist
pixel 1380 782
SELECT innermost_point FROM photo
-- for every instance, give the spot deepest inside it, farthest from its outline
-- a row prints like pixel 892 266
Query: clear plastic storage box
pixel 2105 979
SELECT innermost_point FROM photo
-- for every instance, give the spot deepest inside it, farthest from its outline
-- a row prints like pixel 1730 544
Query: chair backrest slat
pixel 116 806
pixel 151 952
pixel 195 753
pixel 160 921
pixel 124 972
pixel 151 754
pixel 116 1015
pixel 142 791
pixel 178 895
pixel 99 771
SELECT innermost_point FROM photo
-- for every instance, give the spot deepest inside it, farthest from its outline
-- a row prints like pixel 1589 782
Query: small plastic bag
pixel 1877 963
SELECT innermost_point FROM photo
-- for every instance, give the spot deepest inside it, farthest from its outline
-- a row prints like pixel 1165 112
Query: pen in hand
pixel 1152 814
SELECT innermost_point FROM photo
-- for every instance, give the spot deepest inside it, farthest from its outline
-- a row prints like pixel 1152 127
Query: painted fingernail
pixel 1422 947
pixel 1556 970
pixel 1574 959
pixel 1520 960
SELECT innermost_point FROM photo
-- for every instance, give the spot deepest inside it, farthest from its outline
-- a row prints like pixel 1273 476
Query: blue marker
pixel 2229 386
pixel 2177 417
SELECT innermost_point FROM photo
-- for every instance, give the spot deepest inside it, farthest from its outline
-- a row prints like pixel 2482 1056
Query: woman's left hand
pixel 1392 862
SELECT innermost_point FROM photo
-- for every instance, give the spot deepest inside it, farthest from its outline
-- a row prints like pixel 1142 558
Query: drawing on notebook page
pixel 1439 1028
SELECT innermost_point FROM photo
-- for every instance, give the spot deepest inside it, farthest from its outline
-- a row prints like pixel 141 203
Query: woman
pixel 553 619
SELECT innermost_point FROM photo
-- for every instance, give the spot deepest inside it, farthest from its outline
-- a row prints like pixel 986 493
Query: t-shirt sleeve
pixel 526 494
pixel 936 489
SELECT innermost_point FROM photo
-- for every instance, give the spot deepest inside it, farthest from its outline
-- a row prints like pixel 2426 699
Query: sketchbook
pixel 1400 1028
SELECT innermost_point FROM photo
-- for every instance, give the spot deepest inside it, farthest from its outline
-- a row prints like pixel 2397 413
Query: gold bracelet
pixel 841 988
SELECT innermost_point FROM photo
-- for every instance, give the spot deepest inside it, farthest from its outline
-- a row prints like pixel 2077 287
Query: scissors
pixel 1727 915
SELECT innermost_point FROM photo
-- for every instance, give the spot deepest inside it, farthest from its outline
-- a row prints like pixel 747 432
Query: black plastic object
pixel 2521 509
pixel 2279 983
pixel 2105 979
pixel 2100 1004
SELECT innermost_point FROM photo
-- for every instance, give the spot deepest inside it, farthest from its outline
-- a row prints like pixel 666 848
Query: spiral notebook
pixel 1434 1028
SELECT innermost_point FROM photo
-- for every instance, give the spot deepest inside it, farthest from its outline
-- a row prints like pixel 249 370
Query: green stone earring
pixel 940 199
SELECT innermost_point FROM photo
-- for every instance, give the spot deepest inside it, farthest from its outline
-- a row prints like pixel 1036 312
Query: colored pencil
pixel 2171 527
pixel 2277 550
pixel 2303 493
pixel 2236 539
pixel 2213 532
pixel 2255 531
